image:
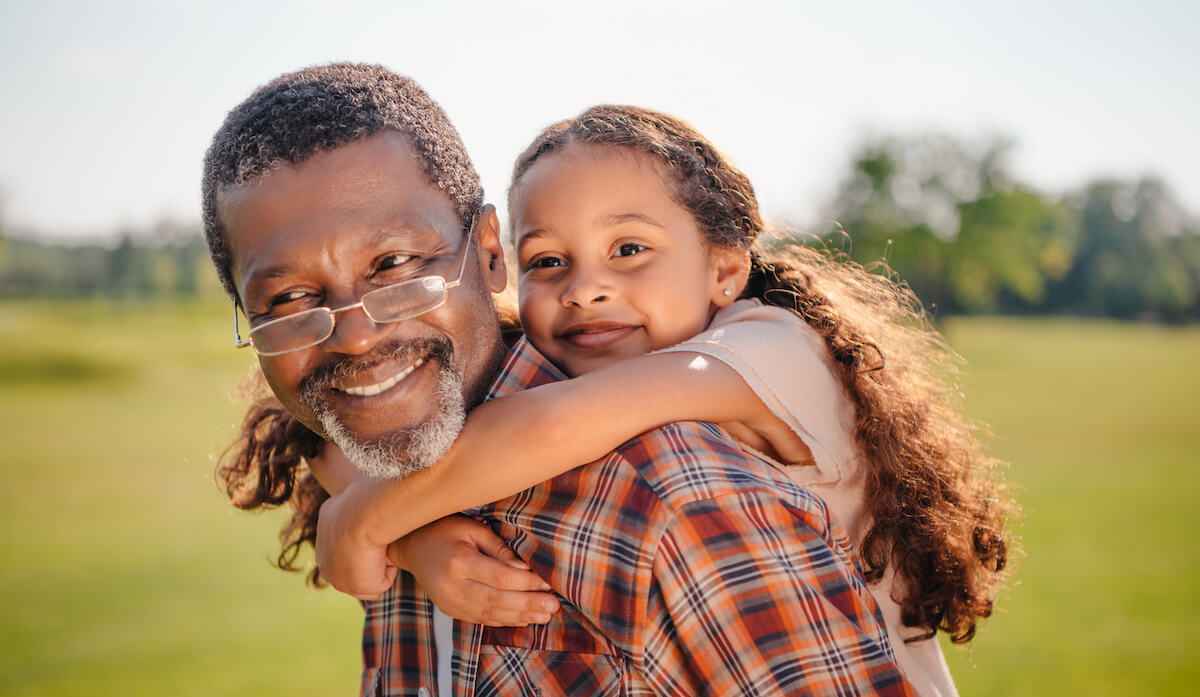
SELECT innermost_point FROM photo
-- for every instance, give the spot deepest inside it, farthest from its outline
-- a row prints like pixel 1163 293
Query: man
pixel 347 223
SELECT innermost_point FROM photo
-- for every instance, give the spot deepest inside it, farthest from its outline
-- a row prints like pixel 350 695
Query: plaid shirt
pixel 684 567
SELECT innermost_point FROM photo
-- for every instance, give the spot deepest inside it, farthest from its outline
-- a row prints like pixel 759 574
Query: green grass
pixel 123 568
pixel 1099 422
pixel 125 571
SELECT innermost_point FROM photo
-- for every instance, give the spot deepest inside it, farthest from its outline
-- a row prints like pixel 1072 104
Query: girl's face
pixel 609 265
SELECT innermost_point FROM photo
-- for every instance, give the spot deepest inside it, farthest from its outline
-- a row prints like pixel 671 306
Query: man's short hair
pixel 321 108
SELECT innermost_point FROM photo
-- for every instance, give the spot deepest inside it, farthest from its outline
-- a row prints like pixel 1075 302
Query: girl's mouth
pixel 597 335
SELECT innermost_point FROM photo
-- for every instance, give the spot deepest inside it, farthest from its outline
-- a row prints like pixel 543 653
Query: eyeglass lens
pixel 403 300
pixel 384 305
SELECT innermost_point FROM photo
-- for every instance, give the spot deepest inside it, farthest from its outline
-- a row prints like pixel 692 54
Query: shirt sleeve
pixel 789 368
pixel 751 596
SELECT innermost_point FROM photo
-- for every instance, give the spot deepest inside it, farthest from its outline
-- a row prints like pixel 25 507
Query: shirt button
pixel 424 692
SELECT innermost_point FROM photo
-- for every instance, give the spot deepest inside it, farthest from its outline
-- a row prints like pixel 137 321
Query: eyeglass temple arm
pixel 466 255
pixel 238 341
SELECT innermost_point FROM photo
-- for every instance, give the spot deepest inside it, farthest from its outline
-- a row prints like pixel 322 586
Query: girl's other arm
pixel 465 568
pixel 332 470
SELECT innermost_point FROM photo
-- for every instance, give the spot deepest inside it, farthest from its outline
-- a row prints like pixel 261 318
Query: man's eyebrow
pixel 378 238
pixel 260 278
pixel 270 272
pixel 409 234
pixel 622 218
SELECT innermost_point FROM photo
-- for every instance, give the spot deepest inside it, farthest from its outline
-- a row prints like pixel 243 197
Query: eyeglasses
pixel 307 328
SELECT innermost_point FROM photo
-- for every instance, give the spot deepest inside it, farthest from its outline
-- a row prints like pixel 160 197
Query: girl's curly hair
pixel 267 467
pixel 933 494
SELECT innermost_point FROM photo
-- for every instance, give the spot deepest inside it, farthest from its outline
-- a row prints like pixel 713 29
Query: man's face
pixel 341 224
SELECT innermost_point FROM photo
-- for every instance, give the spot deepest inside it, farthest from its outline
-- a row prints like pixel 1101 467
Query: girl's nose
pixel 587 288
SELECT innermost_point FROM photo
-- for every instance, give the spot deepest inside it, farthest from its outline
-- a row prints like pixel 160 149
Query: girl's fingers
pixel 501 575
pixel 473 576
pixel 501 608
pixel 490 544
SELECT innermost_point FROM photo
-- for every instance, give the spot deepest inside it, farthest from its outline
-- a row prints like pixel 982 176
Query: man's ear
pixel 491 253
pixel 731 271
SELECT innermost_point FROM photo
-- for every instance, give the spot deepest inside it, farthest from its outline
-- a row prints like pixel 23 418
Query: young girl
pixel 635 235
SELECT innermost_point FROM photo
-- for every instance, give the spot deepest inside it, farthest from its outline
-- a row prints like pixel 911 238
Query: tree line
pixel 167 260
pixel 969 238
pixel 943 215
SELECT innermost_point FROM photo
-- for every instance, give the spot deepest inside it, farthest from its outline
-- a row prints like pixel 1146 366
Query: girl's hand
pixel 332 470
pixel 471 575
pixel 347 555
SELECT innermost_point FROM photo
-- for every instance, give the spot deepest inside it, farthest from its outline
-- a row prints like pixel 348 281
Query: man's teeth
pixel 371 390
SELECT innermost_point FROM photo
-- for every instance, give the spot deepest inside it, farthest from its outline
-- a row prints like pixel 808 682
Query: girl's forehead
pixel 626 155
pixel 587 168
pixel 583 186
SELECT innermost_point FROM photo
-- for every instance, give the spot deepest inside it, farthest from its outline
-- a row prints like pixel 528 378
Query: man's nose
pixel 355 334
pixel 587 287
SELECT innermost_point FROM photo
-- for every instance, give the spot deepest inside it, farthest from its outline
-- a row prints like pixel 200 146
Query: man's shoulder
pixel 685 462
pixel 523 367
pixel 660 472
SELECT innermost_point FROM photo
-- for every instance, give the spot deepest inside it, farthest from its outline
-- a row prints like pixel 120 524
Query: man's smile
pixel 383 385
pixel 366 387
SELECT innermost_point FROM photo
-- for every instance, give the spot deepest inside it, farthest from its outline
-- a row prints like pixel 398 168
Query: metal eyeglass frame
pixel 240 342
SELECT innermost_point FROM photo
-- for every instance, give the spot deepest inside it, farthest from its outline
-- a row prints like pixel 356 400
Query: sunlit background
pixel 1029 167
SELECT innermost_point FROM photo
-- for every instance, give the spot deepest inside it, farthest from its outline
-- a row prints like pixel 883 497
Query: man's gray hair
pixel 317 109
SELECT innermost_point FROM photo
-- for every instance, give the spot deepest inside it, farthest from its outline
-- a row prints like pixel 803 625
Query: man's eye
pixel 392 261
pixel 628 249
pixel 283 300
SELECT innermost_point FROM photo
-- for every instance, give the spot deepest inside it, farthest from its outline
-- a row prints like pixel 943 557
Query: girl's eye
pixel 547 262
pixel 628 249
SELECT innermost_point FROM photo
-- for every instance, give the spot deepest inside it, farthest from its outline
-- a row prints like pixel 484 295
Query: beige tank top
pixel 788 366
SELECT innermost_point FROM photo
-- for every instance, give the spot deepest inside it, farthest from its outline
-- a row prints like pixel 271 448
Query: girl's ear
pixel 491 253
pixel 731 271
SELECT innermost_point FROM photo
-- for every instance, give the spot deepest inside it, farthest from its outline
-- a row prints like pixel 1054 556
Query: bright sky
pixel 108 107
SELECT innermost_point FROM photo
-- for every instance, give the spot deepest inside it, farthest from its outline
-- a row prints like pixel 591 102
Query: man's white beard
pixel 409 450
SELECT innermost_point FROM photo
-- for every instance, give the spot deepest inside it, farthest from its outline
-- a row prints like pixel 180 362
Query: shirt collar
pixel 524 367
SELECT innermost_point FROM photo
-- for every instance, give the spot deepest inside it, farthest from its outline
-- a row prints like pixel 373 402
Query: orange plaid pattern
pixel 684 567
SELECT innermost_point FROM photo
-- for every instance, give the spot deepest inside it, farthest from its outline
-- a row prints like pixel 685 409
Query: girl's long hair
pixel 933 494
pixel 266 467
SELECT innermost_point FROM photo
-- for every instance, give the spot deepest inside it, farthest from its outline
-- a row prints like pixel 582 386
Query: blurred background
pixel 1030 168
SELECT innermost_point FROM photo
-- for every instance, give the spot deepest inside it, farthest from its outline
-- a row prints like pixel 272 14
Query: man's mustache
pixel 323 377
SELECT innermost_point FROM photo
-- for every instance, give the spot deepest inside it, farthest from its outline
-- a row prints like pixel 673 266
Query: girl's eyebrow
pixel 622 218
pixel 528 235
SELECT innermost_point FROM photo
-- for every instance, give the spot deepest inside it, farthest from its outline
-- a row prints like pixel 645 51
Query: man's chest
pixel 563 657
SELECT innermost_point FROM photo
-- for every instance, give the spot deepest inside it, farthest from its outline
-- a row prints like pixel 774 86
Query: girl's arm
pixel 464 567
pixel 512 443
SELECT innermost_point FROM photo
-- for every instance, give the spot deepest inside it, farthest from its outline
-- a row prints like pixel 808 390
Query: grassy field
pixel 125 572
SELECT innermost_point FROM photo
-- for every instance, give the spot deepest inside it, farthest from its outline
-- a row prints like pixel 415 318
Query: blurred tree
pixel 1010 246
pixel 188 256
pixel 165 260
pixel 121 261
pixel 1138 256
pixel 130 268
pixel 901 204
pixel 951 220
pixel 3 236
